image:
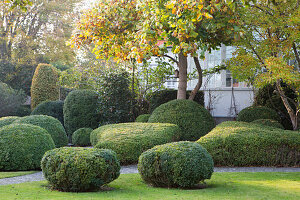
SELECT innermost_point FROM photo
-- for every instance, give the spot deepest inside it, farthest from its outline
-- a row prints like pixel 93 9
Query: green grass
pixel 13 174
pixel 222 186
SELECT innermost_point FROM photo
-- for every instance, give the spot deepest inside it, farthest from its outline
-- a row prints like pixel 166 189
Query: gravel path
pixel 132 169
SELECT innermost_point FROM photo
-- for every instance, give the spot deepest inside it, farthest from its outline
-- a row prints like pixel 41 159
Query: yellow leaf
pixel 208 16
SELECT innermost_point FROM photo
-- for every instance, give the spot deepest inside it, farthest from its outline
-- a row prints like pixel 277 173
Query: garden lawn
pixel 13 174
pixel 228 185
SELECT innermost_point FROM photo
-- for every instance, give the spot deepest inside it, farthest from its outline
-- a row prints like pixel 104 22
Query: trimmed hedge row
pixel 247 144
pixel 193 119
pixel 50 124
pixel 50 108
pixel 44 85
pixel 81 111
pixel 79 169
pixel 23 146
pixel 143 118
pixel 252 113
pixel 81 137
pixel 4 121
pixel 130 140
pixel 178 164
pixel 268 122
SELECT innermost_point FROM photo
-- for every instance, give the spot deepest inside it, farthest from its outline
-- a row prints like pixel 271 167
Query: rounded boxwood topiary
pixel 52 125
pixel 142 118
pixel 50 108
pixel 268 122
pixel 81 137
pixel 81 111
pixel 4 121
pixel 130 140
pixel 22 146
pixel 79 169
pixel 44 85
pixel 193 119
pixel 247 144
pixel 178 164
pixel 252 113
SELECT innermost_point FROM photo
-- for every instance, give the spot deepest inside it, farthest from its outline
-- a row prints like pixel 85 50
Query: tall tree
pixel 135 29
pixel 268 48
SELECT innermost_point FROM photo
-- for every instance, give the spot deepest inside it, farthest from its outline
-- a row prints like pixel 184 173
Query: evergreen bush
pixel 4 121
pixel 143 118
pixel 79 169
pixel 50 108
pixel 252 113
pixel 81 137
pixel 178 164
pixel 193 119
pixel 268 122
pixel 22 147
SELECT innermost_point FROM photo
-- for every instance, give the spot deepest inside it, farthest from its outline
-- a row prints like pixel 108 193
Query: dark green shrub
pixel 268 122
pixel 193 119
pixel 22 146
pixel 142 118
pixel 79 169
pixel 129 140
pixel 81 110
pixel 52 125
pixel 10 100
pixel 44 85
pixel 50 108
pixel 23 110
pixel 269 97
pixel 178 164
pixel 4 121
pixel 252 113
pixel 247 144
pixel 81 137
pixel 164 96
pixel 115 99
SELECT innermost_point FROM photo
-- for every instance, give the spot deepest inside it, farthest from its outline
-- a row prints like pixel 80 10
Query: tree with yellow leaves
pixel 139 29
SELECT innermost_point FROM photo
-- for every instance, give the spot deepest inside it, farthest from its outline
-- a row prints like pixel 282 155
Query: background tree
pixel 137 30
pixel 268 48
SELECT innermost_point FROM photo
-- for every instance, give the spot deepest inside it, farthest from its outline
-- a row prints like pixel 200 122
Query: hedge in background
pixel 178 164
pixel 252 113
pixel 44 85
pixel 81 111
pixel 50 108
pixel 22 146
pixel 52 125
pixel 142 118
pixel 246 144
pixel 4 121
pixel 193 119
pixel 81 137
pixel 129 140
pixel 268 122
pixel 23 110
pixel 164 96
pixel 79 169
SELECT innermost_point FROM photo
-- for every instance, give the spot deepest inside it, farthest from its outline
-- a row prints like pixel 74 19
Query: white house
pixel 224 96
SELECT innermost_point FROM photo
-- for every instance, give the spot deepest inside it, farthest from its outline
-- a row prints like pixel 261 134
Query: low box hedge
pixel 130 140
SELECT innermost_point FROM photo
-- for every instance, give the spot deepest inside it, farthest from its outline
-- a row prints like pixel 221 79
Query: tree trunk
pixel 287 105
pixel 182 83
pixel 199 84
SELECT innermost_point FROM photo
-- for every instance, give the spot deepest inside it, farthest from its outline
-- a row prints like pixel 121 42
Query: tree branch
pixel 199 83
pixel 173 59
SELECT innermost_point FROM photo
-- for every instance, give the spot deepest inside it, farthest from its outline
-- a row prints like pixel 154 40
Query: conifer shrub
pixel 4 121
pixel 50 108
pixel 142 118
pixel 130 140
pixel 79 169
pixel 81 110
pixel 52 125
pixel 81 137
pixel 44 85
pixel 244 144
pixel 268 122
pixel 22 147
pixel 252 113
pixel 193 119
pixel 179 164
